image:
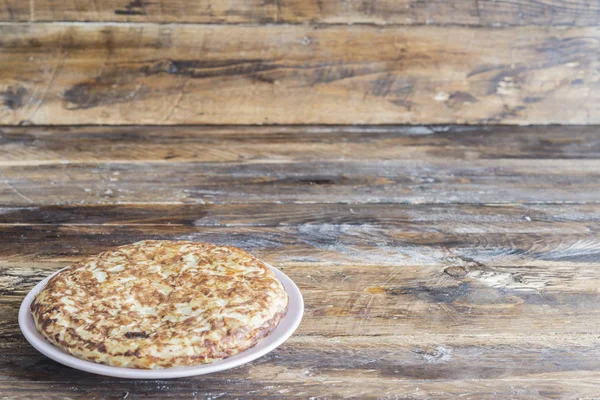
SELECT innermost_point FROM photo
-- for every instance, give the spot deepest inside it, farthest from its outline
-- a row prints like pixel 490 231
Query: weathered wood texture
pixel 487 301
pixel 61 73
pixel 36 146
pixel 404 298
pixel 402 234
pixel 497 181
pixel 299 165
pixel 421 315
pixel 438 12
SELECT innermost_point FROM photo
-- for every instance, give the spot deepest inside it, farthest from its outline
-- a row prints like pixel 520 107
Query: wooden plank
pixel 409 12
pixel 311 366
pixel 412 181
pixel 419 164
pixel 321 243
pixel 453 237
pixel 544 386
pixel 61 73
pixel 401 301
pixel 436 321
pixel 335 370
pixel 363 335
pixel 464 218
pixel 484 268
pixel 22 146
pixel 436 164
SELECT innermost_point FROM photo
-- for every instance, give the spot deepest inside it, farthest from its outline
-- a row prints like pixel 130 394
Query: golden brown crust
pixel 160 304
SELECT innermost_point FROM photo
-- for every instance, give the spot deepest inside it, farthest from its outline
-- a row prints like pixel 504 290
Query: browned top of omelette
pixel 160 304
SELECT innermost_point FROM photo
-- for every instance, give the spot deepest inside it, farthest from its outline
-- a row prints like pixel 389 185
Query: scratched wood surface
pixel 298 165
pixel 435 261
pixel 148 73
pixel 459 12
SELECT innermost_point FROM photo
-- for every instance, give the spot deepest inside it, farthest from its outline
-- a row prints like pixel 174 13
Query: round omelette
pixel 160 304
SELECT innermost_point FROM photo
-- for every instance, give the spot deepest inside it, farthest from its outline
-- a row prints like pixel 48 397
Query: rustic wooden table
pixel 435 261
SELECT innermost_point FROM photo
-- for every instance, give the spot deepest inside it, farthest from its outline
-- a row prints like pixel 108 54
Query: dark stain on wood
pixel 459 98
pixel 485 68
pixel 318 181
pixel 508 76
pixel 104 90
pixel 507 112
pixel 14 97
pixel 446 295
pixel 122 84
pixel 532 99
pixel 406 104
pixel 88 95
pixel 382 86
pixel 135 7
pixel 310 180
pixel 198 69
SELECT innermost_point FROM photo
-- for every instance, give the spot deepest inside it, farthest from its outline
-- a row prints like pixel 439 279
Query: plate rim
pixel 293 318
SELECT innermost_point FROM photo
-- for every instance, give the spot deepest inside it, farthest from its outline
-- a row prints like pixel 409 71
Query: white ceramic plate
pixel 284 330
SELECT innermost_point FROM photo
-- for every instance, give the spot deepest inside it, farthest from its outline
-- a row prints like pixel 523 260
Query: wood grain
pixel 360 245
pixel 61 73
pixel 370 280
pixel 312 367
pixel 417 182
pixel 466 218
pixel 302 165
pixel 476 329
pixel 35 146
pixel 402 301
pixel 409 12
pixel 435 261
pixel 394 303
